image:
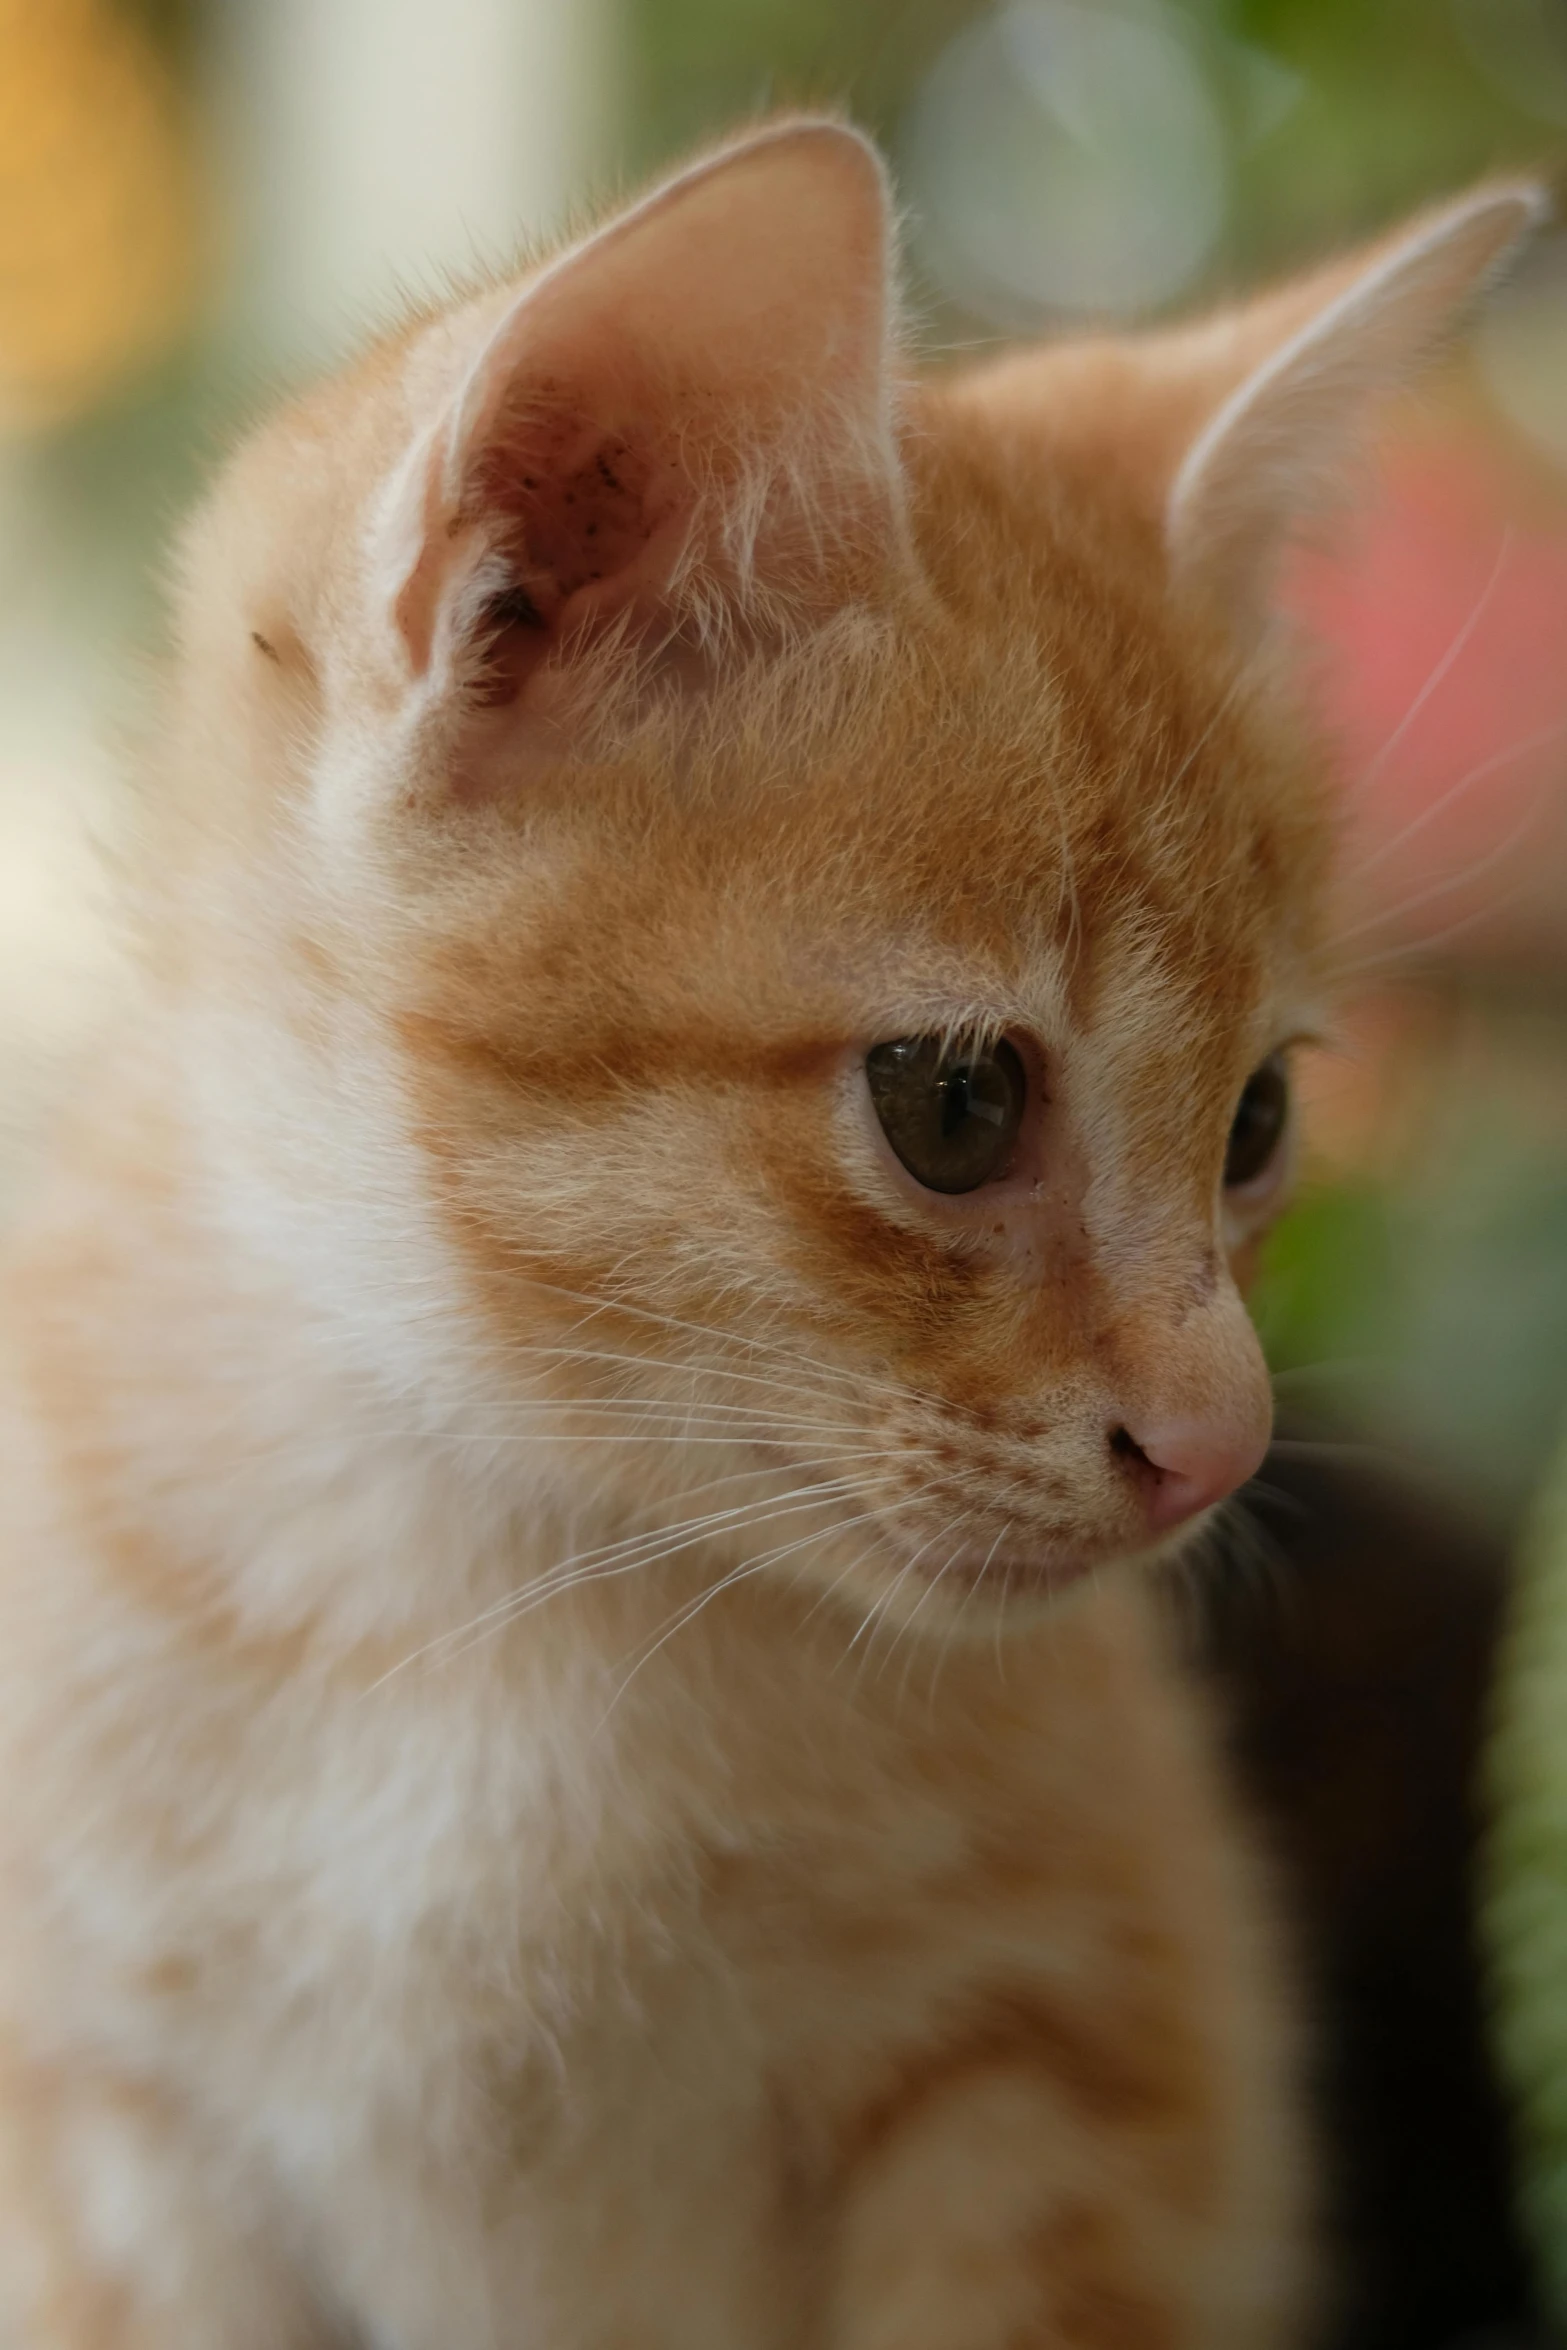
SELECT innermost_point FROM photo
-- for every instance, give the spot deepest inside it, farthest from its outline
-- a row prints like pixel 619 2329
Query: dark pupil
pixel 1259 1122
pixel 956 1102
pixel 952 1116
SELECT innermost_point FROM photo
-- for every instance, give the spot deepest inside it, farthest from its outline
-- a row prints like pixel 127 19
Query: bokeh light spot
pixel 95 207
pixel 1067 159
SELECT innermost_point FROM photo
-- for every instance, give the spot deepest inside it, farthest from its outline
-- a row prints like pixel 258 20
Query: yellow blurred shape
pixel 95 207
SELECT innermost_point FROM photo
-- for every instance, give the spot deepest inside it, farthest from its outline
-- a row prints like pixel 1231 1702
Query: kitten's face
pixel 650 1072
pixel 848 1075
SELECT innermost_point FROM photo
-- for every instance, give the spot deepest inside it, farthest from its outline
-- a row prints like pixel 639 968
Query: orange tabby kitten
pixel 719 944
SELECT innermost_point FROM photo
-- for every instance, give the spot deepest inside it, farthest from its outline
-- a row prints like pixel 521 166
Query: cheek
pixel 971 1308
pixel 882 1277
pixel 871 1266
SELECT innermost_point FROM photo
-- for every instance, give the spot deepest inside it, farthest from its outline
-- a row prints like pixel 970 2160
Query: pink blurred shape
pixel 1440 623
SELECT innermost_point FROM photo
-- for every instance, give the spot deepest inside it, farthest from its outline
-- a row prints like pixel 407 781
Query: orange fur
pixel 602 716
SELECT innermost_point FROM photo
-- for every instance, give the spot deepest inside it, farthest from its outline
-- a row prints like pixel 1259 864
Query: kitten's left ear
pixel 682 426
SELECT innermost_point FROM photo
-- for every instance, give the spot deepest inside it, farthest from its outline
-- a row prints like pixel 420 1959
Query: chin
pixel 932 1589
pixel 922 1583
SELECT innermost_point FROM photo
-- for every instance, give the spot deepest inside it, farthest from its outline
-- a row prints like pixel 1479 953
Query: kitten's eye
pixel 952 1117
pixel 1260 1120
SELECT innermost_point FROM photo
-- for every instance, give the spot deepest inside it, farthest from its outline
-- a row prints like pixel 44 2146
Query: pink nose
pixel 1185 1466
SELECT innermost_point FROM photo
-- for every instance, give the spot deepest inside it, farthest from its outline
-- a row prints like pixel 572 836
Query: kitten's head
pixel 817 876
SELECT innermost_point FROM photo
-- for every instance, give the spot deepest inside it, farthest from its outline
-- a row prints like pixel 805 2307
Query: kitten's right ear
pixel 1280 444
pixel 1224 439
pixel 682 427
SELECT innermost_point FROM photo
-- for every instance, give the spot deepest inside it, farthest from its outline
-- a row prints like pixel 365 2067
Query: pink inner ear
pixel 692 401
pixel 578 499
pixel 591 522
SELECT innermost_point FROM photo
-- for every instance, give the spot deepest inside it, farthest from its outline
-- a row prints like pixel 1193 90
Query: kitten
pixel 719 950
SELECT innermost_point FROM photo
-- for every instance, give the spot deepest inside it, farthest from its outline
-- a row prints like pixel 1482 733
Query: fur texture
pixel 571 1777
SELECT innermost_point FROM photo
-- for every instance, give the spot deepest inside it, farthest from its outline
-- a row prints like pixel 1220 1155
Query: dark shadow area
pixel 1355 1666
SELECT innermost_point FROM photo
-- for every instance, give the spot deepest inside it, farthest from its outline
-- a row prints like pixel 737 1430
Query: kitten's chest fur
pixel 685 1961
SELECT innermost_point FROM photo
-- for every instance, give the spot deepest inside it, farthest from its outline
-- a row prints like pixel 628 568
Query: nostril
pixel 1164 1493
pixel 1184 1467
pixel 1126 1448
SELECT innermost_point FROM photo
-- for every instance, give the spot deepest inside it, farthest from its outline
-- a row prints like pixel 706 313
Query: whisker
pixel 637 1553
pixel 738 1574
pixel 956 1619
pixel 1405 954
pixel 652 1362
pixel 1466 782
pixel 974 1584
pixel 1305 1448
pixel 1330 1368
pixel 880 1607
pixel 633 1410
pixel 1225 704
pixel 1497 854
pixel 1238 1544
pixel 1433 683
pixel 906 1628
pixel 825 1595
pixel 1000 1615
pixel 557 1436
pixel 858 1381
pixel 618 1557
pixel 1289 1503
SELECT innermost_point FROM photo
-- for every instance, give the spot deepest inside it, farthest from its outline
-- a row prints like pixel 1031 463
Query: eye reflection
pixel 951 1114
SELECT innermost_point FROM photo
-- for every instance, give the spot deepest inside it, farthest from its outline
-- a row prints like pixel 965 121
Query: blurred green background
pixel 202 199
